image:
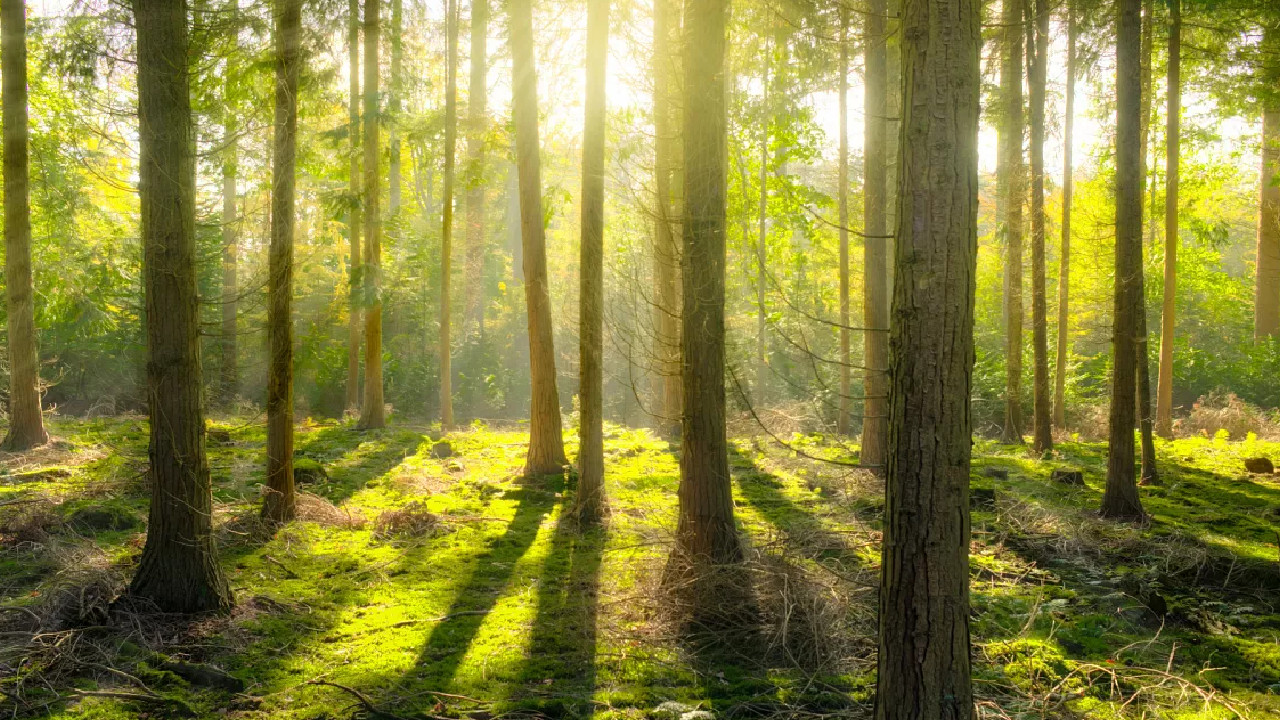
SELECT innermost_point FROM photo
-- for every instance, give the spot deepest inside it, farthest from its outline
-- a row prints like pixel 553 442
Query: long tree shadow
pixel 352 458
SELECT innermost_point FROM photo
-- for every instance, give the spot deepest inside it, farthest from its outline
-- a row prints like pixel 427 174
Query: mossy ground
pixel 453 588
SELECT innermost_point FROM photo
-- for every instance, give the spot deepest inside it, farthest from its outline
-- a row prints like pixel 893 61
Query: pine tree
pixel 371 410
pixel 446 214
pixel 875 244
pixel 1012 190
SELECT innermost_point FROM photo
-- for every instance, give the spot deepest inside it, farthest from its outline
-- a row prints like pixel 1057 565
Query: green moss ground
pixel 453 588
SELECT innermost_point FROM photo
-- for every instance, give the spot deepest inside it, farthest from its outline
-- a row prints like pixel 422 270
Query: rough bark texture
pixel 179 569
pixel 875 246
pixel 1064 252
pixel 1012 190
pixel 842 202
pixel 1164 384
pixel 446 214
pixel 1038 62
pixel 546 440
pixel 477 122
pixel 705 532
pixel 372 412
pixel 354 274
pixel 1120 499
pixel 26 422
pixel 590 499
pixel 666 251
pixel 280 502
pixel 228 351
pixel 924 664
pixel 1266 303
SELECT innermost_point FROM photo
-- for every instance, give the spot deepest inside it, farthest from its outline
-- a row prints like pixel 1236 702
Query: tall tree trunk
pixel 590 500
pixel 1120 499
pixel 372 412
pixel 666 252
pixel 1142 400
pixel 762 235
pixel 1164 396
pixel 229 381
pixel 1148 106
pixel 354 273
pixel 705 532
pixel 1266 300
pixel 842 201
pixel 546 440
pixel 179 569
pixel 446 214
pixel 477 124
pixel 1064 254
pixel 924 660
pixel 394 91
pixel 26 422
pixel 875 256
pixel 1038 61
pixel 280 503
pixel 1012 191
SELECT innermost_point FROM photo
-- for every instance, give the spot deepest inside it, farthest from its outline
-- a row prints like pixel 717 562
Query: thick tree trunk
pixel 279 504
pixel 1064 253
pixel 546 440
pixel 179 569
pixel 229 380
pixel 666 251
pixel 842 202
pixel 1038 61
pixel 875 256
pixel 446 214
pixel 924 662
pixel 26 422
pixel 477 123
pixel 705 532
pixel 1120 499
pixel 590 500
pixel 1012 191
pixel 372 412
pixel 1164 396
pixel 354 274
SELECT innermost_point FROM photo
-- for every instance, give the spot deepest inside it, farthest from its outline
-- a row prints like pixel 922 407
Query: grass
pixel 421 587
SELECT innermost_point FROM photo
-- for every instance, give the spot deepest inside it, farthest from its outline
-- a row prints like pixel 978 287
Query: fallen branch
pixel 369 706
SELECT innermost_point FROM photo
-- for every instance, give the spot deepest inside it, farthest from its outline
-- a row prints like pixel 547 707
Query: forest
pixel 683 359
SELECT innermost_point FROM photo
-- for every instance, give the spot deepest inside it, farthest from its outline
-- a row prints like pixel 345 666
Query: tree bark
pixel 842 202
pixel 1064 253
pixel 446 214
pixel 1148 105
pixel 354 273
pixel 372 412
pixel 546 440
pixel 666 251
pixel 1012 191
pixel 924 663
pixel 280 502
pixel 1164 384
pixel 1120 500
pixel 875 256
pixel 1266 303
pixel 179 569
pixel 1038 60
pixel 26 421
pixel 590 499
pixel 229 381
pixel 477 123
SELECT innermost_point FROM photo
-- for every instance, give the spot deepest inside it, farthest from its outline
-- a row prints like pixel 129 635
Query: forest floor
pixel 417 586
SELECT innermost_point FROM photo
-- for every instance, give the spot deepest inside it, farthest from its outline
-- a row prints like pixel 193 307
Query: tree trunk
pixel 372 412
pixel 1148 177
pixel 1120 499
pixel 875 256
pixel 1038 60
pixel 477 123
pixel 1012 192
pixel 280 503
pixel 924 662
pixel 26 422
pixel 1266 303
pixel 762 237
pixel 446 213
pixel 705 532
pixel 590 500
pixel 842 201
pixel 546 440
pixel 354 273
pixel 179 569
pixel 1164 396
pixel 229 382
pixel 666 252
pixel 1064 254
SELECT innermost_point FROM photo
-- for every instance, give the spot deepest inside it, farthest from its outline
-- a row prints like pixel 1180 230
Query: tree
pixel 1012 189
pixel 924 665
pixel 666 252
pixel 279 505
pixel 705 531
pixel 372 411
pixel 1266 302
pixel 354 274
pixel 1064 253
pixel 446 212
pixel 179 569
pixel 762 214
pixel 477 113
pixel 394 91
pixel 229 380
pixel 875 256
pixel 1164 384
pixel 26 421
pixel 546 441
pixel 590 499
pixel 842 201
pixel 1038 61
pixel 1120 500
